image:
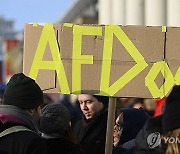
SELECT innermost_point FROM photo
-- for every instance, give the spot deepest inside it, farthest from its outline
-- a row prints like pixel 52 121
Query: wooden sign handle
pixel 110 125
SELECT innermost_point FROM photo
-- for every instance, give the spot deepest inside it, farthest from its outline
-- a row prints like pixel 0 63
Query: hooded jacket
pixel 20 142
pixel 152 125
pixel 133 121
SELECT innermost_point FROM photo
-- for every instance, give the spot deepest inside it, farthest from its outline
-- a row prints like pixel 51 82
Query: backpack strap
pixel 14 129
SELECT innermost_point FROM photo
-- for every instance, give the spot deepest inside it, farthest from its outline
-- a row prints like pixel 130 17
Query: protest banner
pixel 112 60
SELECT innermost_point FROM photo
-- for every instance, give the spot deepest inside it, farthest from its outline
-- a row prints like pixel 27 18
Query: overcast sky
pixel 28 11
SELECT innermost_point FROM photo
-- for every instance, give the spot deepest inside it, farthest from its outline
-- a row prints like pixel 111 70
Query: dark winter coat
pixel 126 148
pixel 151 126
pixel 91 135
pixel 21 142
pixel 59 145
pixel 133 122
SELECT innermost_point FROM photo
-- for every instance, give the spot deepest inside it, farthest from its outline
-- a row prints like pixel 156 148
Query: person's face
pixel 89 105
pixel 118 129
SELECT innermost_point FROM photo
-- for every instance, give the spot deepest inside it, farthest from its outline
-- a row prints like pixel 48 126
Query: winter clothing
pixel 61 145
pixel 133 121
pixel 171 115
pixel 55 117
pixel 54 125
pixel 21 142
pixel 23 92
pixel 91 133
pixel 126 148
pixel 132 118
pixel 152 125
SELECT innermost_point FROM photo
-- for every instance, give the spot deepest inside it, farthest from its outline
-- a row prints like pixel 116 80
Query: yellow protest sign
pixel 121 61
pixel 110 31
pixel 48 36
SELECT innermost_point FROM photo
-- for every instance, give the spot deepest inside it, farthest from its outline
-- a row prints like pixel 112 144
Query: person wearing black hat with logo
pixel 91 130
pixel 18 116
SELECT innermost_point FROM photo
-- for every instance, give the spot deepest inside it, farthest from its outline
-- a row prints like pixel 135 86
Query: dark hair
pixel 103 99
pixel 70 135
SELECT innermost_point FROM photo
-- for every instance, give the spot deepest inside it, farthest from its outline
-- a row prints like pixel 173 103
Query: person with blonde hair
pixel 172 148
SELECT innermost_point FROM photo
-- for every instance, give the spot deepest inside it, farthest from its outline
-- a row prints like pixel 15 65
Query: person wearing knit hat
pixel 91 129
pixel 54 124
pixel 171 119
pixel 18 116
pixel 23 92
pixel 54 118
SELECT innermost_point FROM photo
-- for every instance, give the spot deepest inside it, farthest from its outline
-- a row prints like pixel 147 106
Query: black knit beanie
pixel 171 115
pixel 103 99
pixel 23 92
pixel 54 119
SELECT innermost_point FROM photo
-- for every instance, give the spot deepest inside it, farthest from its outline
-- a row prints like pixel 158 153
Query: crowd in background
pixel 76 124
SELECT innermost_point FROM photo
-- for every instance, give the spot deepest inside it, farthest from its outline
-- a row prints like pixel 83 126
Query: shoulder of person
pixel 34 143
pixel 28 140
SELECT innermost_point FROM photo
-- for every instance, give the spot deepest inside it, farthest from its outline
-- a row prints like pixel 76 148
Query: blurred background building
pixel 124 12
pixel 120 12
pixel 10 50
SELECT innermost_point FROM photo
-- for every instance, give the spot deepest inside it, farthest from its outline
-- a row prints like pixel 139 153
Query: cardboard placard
pixel 112 60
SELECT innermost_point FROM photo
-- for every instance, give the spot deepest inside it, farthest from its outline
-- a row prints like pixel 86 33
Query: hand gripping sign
pixel 112 60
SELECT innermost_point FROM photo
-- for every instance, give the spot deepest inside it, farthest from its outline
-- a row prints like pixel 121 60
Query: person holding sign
pixel 91 130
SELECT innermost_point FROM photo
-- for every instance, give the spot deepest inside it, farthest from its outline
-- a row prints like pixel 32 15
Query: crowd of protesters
pixel 35 123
